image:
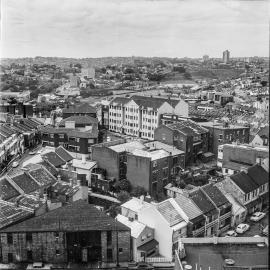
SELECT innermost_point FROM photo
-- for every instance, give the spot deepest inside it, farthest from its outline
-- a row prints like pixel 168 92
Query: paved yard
pixel 213 256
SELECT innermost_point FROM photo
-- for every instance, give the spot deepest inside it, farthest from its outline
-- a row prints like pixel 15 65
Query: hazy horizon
pixel 140 28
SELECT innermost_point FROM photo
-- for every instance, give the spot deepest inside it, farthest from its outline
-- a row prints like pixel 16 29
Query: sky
pixel 165 28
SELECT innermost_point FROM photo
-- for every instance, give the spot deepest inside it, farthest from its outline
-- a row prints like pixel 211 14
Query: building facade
pixel 139 115
pixel 77 233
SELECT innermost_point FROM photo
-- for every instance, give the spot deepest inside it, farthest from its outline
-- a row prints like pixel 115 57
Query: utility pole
pixel 117 249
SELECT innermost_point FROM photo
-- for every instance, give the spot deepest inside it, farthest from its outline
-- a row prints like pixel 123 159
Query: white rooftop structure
pixel 135 226
pixel 136 204
pixel 128 147
pixel 83 164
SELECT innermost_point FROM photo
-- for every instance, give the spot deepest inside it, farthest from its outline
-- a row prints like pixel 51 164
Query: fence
pixel 225 240
pixel 257 267
pixel 158 260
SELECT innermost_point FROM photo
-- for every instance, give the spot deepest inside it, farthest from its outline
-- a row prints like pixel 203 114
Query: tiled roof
pixel 54 159
pixel 42 176
pixel 49 167
pixel 29 201
pixel 167 210
pixel 188 206
pixel 201 200
pixel 7 191
pixel 78 216
pixel 25 182
pixel 79 120
pixel 244 182
pixel 215 195
pixel 63 153
pixel 258 174
pixel 83 108
pixel 10 214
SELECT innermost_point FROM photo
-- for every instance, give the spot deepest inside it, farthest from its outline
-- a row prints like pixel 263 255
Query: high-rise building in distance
pixel 226 56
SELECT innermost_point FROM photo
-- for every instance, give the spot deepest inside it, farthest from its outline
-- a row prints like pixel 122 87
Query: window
pixel 109 254
pixel 221 136
pixel 120 250
pixel 29 237
pixel 77 139
pixel 57 252
pixel 90 140
pixel 29 255
pixel 10 257
pixel 9 238
pixel 154 164
pixel 226 170
pixel 61 136
pixel 149 235
pixel 56 234
pixel 143 238
pixel 51 136
pixel 109 237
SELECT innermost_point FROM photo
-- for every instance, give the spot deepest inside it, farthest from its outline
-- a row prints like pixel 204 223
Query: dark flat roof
pixel 213 256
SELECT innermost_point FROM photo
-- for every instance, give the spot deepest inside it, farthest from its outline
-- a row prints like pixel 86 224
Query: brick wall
pixel 107 159
pixel 44 247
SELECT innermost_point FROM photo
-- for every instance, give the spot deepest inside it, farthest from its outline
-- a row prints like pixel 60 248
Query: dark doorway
pixel 84 246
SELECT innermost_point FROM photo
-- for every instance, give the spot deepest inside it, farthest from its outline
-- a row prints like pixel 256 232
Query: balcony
pixel 211 224
pixel 225 216
pixel 198 231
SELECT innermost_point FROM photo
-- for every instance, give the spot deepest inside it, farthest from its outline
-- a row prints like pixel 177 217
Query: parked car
pixel 15 164
pixel 231 233
pixel 32 152
pixel 257 216
pixel 241 228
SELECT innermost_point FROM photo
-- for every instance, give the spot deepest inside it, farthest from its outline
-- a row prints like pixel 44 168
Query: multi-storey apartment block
pixel 139 116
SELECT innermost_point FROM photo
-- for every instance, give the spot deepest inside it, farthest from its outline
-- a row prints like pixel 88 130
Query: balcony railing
pixel 198 231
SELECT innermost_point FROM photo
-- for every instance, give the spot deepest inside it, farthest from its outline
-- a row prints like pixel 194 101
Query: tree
pixel 123 185
pixel 123 196
pixel 114 210
pixel 138 191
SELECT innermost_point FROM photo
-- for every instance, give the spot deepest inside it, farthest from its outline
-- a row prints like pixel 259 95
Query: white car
pixel 257 216
pixel 241 228
pixel 231 233
pixel 32 152
pixel 15 164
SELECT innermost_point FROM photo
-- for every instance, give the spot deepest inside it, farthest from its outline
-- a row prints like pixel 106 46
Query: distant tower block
pixel 226 56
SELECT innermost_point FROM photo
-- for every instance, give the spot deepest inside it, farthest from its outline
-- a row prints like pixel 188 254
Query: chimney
pixel 58 178
pixel 141 199
pixel 71 182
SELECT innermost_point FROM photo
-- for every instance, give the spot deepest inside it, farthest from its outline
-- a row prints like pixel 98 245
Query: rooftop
pixel 188 206
pixel 135 226
pixel 212 256
pixel 9 213
pixel 201 200
pixel 77 216
pixel 83 108
pixel 63 153
pixel 221 125
pixel 25 182
pixel 188 127
pixel 79 120
pixel 168 211
pixel 7 191
pixel 135 204
pixel 87 165
pixel 215 195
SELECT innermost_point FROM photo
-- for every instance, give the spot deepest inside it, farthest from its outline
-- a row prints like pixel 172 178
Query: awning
pixel 253 203
pixel 148 246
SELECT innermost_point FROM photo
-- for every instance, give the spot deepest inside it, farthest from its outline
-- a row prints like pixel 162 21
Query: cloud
pixel 134 27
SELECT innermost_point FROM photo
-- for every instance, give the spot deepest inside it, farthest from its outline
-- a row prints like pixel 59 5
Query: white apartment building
pixel 139 116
